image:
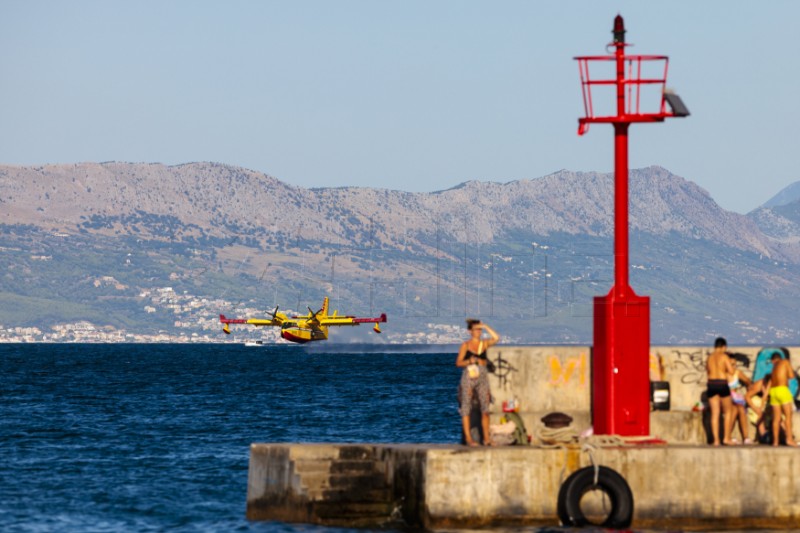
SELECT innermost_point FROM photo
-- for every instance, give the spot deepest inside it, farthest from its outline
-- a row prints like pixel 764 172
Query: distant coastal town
pixel 190 313
pixel 194 320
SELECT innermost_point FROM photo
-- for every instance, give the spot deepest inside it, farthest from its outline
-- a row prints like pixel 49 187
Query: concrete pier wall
pixel 437 486
pixel 558 378
pixel 684 368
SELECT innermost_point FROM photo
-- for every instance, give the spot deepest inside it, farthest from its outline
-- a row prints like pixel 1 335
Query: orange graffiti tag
pixel 561 375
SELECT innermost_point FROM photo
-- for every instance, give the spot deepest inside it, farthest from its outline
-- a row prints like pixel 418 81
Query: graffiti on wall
pixel 570 372
pixel 502 368
pixel 688 366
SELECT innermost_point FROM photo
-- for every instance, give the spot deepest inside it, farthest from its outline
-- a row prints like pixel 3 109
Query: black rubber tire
pixel 610 482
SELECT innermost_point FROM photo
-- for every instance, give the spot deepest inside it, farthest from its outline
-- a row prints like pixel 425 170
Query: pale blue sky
pixel 409 95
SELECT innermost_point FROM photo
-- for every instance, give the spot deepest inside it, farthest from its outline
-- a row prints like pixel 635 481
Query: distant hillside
pixel 787 195
pixel 212 199
pixel 529 253
pixel 779 218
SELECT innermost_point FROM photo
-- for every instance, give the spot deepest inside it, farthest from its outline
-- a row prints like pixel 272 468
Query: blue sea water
pixel 155 437
pixel 135 437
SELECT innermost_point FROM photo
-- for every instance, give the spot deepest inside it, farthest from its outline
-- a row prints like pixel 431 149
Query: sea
pixel 155 437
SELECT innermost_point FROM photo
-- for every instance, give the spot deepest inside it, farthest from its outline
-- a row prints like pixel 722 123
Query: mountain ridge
pixel 210 194
pixel 787 195
pixel 534 249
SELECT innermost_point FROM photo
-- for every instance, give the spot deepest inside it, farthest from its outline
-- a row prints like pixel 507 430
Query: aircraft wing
pixel 277 320
pixel 350 320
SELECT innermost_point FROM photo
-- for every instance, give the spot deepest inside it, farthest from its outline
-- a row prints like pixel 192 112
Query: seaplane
pixel 305 328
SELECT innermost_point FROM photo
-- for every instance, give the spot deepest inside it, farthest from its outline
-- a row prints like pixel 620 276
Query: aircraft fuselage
pixel 294 333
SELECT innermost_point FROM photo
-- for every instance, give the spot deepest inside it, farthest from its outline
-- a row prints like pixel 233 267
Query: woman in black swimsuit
pixel 475 379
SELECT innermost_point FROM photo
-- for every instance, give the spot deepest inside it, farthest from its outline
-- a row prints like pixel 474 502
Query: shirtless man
pixel 780 398
pixel 719 367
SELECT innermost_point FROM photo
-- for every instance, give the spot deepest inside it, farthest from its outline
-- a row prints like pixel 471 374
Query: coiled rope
pixel 568 437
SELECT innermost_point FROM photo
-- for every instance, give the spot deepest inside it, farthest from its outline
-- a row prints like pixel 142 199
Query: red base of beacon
pixel 621 364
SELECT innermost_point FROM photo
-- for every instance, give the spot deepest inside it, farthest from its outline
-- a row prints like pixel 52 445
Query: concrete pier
pixel 683 484
pixel 558 378
pixel 430 486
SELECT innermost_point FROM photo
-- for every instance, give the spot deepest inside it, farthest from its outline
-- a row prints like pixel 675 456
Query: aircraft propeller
pixel 275 317
pixel 312 315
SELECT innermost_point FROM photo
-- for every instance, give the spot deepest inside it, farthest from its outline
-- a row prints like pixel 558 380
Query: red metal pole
pixel 621 209
pixel 620 355
pixel 620 170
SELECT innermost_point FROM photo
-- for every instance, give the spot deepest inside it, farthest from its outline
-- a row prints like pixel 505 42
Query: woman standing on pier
pixel 475 378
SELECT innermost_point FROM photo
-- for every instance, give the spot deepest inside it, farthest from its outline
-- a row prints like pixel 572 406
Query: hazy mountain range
pixel 94 241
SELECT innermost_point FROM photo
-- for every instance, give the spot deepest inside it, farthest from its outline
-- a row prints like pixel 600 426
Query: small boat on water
pixel 254 343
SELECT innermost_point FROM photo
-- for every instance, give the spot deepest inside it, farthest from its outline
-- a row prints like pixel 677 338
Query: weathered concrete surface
pixel 324 483
pixel 678 427
pixel 437 486
pixel 558 378
pixel 684 368
pixel 544 379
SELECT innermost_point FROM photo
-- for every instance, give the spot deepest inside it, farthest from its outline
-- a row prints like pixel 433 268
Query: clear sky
pixel 411 95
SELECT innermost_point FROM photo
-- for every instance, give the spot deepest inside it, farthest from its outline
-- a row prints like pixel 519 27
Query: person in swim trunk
pixel 719 367
pixel 475 378
pixel 780 398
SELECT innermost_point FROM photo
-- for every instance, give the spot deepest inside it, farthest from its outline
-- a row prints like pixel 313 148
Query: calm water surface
pixel 97 438
pixel 155 437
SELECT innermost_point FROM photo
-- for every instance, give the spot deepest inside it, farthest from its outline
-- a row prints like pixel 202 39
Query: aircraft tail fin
pixel 325 306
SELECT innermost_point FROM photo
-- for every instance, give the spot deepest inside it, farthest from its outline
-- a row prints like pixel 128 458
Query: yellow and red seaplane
pixel 305 328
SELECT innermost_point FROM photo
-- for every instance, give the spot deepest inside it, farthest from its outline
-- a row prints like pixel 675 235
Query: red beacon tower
pixel 620 357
